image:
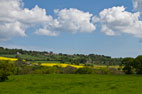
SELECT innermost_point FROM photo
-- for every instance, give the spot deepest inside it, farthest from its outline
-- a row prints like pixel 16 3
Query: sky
pixel 105 27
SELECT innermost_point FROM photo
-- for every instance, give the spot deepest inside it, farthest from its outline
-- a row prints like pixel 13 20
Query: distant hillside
pixel 44 56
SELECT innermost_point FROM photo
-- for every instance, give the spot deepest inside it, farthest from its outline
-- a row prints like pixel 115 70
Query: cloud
pixel 15 20
pixel 46 32
pixel 75 20
pixel 137 4
pixel 69 20
pixel 117 20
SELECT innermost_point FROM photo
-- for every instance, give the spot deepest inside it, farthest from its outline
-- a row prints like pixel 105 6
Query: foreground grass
pixel 72 84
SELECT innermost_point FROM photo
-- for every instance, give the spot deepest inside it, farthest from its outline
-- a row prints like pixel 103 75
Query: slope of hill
pixel 44 56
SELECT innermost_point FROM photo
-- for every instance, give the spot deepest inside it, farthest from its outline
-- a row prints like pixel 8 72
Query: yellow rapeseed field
pixel 76 66
pixel 61 65
pixel 104 66
pixel 8 59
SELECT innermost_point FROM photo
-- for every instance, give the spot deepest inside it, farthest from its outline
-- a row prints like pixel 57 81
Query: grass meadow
pixel 72 84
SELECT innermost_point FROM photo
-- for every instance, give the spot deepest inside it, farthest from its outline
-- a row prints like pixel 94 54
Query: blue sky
pixel 96 42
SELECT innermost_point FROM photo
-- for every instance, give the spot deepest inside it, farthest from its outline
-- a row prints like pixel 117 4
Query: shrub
pixel 102 71
pixel 50 70
pixel 69 70
pixel 25 70
pixel 84 70
pixel 6 69
pixel 115 71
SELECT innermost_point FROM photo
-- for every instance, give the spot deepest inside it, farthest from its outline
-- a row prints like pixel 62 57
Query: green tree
pixel 128 65
pixel 138 64
pixel 6 69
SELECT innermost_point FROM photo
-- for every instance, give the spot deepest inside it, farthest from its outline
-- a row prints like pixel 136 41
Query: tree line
pixel 77 59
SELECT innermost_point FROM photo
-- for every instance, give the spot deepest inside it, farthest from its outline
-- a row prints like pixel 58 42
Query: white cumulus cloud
pixel 15 20
pixel 69 20
pixel 117 20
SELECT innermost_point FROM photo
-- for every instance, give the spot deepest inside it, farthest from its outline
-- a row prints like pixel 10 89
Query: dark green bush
pixel 85 70
pixel 50 70
pixel 6 69
pixel 25 70
pixel 69 70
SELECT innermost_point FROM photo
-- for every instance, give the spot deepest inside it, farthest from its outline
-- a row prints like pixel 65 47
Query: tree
pixel 6 69
pixel 138 64
pixel 128 65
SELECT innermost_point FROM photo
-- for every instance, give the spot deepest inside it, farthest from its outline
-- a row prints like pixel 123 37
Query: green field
pixel 72 84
